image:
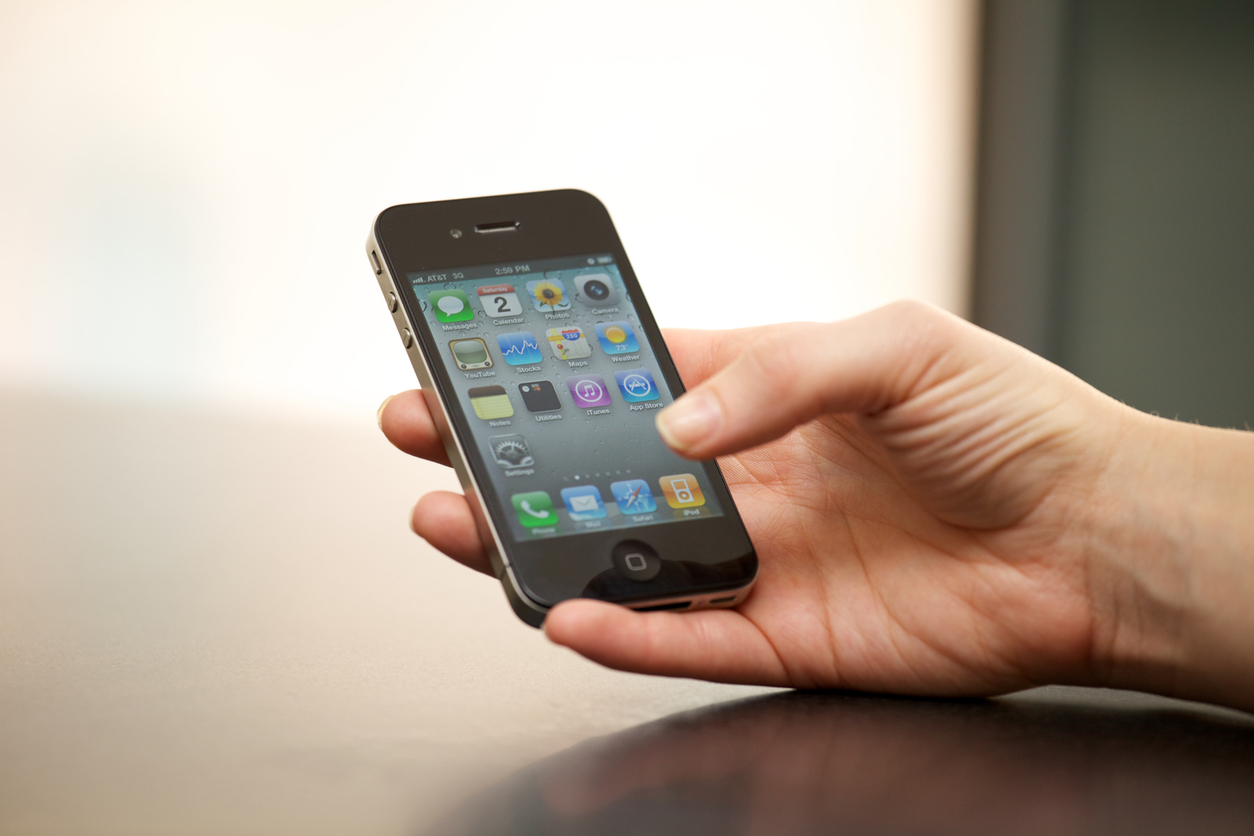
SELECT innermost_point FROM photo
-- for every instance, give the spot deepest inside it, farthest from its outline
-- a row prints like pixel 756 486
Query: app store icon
pixel 636 385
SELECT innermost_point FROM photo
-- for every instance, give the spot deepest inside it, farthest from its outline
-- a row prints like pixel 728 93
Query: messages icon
pixel 450 305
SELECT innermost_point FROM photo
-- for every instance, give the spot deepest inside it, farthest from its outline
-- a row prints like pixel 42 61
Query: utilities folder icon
pixel 491 402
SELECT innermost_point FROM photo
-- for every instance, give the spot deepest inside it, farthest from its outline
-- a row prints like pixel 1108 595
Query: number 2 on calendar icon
pixel 499 300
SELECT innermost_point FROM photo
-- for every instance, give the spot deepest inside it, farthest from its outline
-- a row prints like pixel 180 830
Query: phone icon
pixel 539 396
pixel 636 385
pixel 450 305
pixel 549 295
pixel 534 509
pixel 490 402
pixel 519 348
pixel 588 390
pixel 633 496
pixel 682 491
pixel 471 354
pixel 584 502
pixel 617 337
pixel 568 343
pixel 499 300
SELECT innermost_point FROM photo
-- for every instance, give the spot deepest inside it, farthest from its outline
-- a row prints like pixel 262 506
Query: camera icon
pixel 596 289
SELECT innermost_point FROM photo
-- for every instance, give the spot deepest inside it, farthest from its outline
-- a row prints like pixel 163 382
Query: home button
pixel 636 561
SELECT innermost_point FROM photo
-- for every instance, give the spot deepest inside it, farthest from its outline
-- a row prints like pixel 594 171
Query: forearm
pixel 1173 562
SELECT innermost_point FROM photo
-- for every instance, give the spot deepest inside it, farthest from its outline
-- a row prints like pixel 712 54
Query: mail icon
pixel 584 502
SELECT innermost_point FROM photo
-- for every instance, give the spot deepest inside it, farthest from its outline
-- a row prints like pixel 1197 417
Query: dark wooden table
pixel 218 624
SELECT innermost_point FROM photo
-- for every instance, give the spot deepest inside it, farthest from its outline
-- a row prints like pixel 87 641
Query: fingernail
pixel 690 420
pixel 378 416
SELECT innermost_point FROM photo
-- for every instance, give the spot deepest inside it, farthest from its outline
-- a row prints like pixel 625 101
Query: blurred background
pixel 185 188
pixel 1115 208
pixel 213 617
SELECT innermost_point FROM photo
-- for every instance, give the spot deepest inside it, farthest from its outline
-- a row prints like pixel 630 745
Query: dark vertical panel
pixel 1023 69
pixel 1115 226
pixel 1157 290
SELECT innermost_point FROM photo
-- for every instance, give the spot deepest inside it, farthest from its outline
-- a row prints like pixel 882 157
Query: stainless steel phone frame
pixel 531 612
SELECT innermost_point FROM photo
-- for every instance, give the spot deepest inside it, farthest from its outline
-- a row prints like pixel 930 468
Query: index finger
pixel 699 354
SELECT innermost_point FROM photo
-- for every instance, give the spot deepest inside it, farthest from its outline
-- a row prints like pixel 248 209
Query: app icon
pixel 511 451
pixel 633 496
pixel 636 385
pixel 534 509
pixel 596 289
pixel 540 396
pixel 588 390
pixel 491 402
pixel 499 300
pixel 584 502
pixel 519 348
pixel 548 295
pixel 450 305
pixel 471 353
pixel 682 491
pixel 617 337
pixel 569 343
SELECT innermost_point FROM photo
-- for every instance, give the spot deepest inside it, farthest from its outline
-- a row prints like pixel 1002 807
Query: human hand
pixel 936 511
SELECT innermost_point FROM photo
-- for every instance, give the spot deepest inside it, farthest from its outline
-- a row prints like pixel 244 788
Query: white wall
pixel 185 187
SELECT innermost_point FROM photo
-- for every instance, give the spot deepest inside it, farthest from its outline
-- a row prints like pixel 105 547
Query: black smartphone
pixel 543 368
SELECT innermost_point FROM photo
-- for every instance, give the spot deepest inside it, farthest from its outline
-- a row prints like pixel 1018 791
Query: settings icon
pixel 511 451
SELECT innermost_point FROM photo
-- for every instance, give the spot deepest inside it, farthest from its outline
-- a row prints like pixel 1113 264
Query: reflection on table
pixel 800 763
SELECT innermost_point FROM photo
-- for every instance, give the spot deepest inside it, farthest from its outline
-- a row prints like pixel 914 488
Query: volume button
pixel 407 337
pixel 393 302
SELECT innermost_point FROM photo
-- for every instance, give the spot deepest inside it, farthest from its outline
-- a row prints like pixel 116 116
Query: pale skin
pixel 936 511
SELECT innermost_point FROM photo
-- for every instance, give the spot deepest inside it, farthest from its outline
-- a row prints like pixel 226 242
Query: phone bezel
pixel 417 238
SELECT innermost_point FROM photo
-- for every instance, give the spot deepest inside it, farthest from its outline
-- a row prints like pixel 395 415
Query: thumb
pixel 797 372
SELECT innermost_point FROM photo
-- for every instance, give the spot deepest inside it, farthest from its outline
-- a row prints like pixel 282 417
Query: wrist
pixel 1171 561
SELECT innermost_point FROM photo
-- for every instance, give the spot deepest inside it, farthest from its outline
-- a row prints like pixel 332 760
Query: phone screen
pixel 559 386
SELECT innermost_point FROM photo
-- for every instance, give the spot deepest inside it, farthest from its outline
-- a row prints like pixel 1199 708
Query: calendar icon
pixel 499 300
